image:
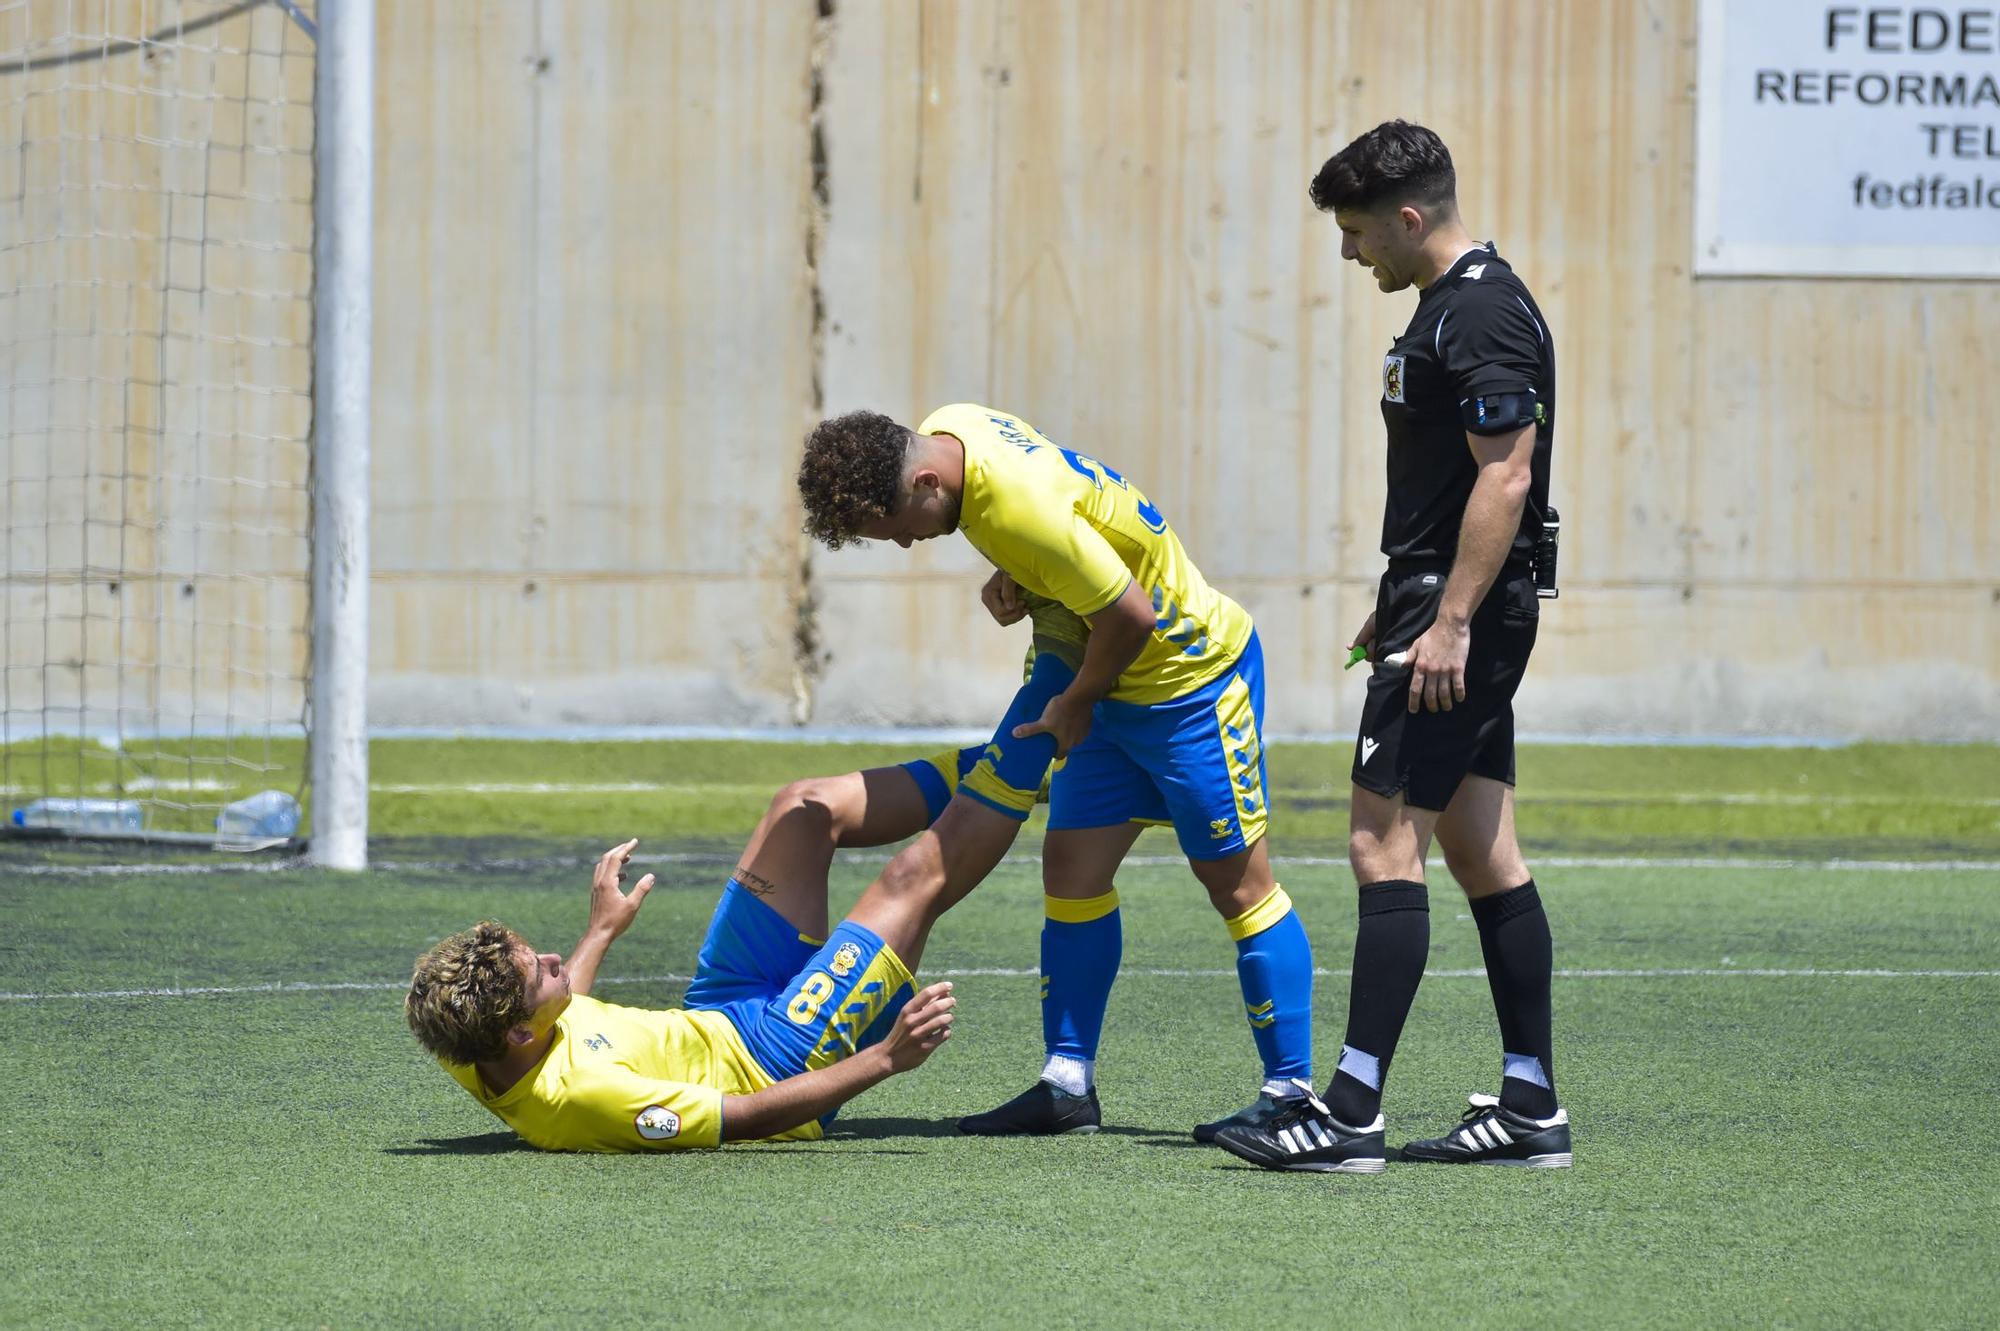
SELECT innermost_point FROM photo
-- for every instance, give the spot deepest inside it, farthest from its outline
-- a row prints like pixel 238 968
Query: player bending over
pixel 779 1028
pixel 1162 724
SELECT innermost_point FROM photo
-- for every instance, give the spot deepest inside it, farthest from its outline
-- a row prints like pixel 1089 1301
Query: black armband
pixel 1500 413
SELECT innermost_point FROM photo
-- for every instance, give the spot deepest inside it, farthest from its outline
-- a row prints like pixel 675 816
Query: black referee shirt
pixel 1476 332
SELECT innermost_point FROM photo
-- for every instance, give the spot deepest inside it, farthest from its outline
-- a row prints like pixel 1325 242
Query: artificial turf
pixel 1862 799
pixel 1753 1149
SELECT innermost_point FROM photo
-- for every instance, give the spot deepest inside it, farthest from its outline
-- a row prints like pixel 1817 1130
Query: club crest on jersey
pixel 1392 378
pixel 844 958
pixel 656 1123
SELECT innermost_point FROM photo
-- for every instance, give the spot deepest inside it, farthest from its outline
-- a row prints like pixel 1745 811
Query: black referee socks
pixel 1390 948
pixel 1514 936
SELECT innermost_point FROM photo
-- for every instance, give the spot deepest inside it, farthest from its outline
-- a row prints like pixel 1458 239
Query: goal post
pixel 343 217
pixel 161 488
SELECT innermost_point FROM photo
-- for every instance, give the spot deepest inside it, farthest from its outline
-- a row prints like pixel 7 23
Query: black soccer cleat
pixel 1304 1135
pixel 1491 1134
pixel 1039 1111
pixel 1252 1115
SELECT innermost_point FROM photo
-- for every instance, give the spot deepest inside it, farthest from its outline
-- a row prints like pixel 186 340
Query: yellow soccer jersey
pixel 1070 528
pixel 628 1079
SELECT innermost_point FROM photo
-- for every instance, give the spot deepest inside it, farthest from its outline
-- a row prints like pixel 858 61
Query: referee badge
pixel 1392 378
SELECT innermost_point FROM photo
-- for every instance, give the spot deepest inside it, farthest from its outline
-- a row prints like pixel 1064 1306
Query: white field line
pixel 575 788
pixel 865 858
pixel 1017 972
pixel 1753 799
pixel 170 785
pixel 138 785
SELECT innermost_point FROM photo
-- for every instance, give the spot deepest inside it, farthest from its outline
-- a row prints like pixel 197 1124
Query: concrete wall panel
pixel 609 303
pixel 593 317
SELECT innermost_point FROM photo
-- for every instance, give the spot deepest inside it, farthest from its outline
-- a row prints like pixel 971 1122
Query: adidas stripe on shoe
pixel 1490 1134
pixel 1305 1136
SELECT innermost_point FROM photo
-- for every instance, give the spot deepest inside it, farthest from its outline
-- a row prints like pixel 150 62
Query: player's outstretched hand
pixel 612 909
pixel 922 1025
pixel 1002 598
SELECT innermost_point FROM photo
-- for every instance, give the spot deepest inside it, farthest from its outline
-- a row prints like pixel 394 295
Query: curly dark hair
pixel 852 473
pixel 467 993
pixel 1395 162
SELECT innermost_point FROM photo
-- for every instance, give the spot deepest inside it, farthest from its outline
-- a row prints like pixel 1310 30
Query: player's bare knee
pixel 1236 883
pixel 1232 899
pixel 1071 876
pixel 807 808
pixel 912 879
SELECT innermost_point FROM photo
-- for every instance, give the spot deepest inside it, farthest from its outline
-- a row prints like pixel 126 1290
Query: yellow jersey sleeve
pixel 610 1108
pixel 1065 555
pixel 1073 529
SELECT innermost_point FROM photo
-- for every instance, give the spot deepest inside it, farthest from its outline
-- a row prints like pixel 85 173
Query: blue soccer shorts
pixel 1196 761
pixel 798 1003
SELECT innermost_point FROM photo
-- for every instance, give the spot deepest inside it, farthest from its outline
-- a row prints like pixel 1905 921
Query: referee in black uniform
pixel 1468 395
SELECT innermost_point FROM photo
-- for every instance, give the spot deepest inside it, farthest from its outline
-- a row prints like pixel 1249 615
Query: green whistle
pixel 1355 657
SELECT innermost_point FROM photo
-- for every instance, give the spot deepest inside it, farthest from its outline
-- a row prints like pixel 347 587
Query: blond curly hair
pixel 467 993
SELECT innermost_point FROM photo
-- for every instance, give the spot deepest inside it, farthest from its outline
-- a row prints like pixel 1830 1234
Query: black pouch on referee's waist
pixel 1543 560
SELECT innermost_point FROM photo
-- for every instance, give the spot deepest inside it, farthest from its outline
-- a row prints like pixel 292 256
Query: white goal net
pixel 156 329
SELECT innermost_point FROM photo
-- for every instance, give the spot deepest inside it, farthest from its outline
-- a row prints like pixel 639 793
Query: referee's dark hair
pixel 1394 163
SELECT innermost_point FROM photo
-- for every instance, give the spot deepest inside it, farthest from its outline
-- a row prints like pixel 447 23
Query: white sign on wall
pixel 1848 139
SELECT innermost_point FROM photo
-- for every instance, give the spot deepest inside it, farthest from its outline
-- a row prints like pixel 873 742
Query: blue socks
pixel 1274 964
pixel 1084 941
pixel 1082 944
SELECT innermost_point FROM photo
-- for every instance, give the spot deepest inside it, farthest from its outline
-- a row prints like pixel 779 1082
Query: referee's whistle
pixel 1355 656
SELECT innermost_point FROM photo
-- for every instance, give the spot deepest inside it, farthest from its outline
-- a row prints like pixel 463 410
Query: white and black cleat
pixel 1304 1135
pixel 1491 1134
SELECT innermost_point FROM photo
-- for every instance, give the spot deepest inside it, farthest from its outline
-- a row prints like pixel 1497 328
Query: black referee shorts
pixel 1421 755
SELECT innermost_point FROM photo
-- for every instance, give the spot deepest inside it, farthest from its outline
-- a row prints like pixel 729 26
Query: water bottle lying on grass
pixel 263 819
pixel 87 817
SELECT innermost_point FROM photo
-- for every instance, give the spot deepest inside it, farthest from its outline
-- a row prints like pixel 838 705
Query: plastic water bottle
pixel 267 815
pixel 83 815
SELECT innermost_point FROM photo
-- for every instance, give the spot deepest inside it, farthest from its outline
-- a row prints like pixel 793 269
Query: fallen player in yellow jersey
pixel 783 1022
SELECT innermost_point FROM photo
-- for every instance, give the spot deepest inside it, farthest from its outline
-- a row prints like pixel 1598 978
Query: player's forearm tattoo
pixel 756 883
